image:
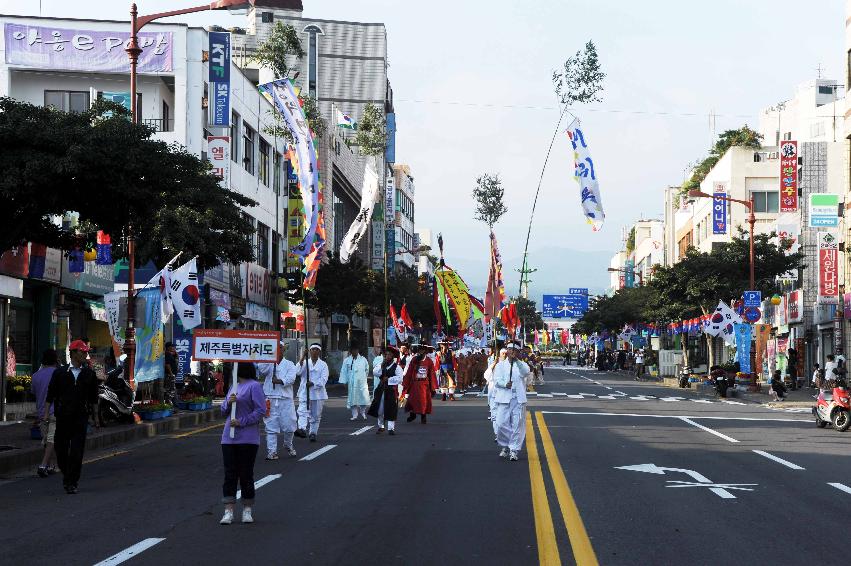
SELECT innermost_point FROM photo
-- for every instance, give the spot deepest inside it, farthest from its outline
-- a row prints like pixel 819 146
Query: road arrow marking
pixel 840 487
pixel 719 489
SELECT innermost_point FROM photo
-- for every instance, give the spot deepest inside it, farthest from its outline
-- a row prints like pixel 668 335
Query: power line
pixel 604 110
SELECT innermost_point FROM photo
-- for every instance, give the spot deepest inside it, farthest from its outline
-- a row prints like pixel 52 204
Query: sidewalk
pixel 18 450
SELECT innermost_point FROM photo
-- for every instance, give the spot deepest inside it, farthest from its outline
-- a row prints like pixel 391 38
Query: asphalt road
pixel 620 472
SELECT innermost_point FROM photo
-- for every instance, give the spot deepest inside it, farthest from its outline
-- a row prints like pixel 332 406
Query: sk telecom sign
pixel 789 176
pixel 219 79
pixel 824 210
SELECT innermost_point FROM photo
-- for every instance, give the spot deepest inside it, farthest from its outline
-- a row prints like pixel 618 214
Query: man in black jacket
pixel 73 390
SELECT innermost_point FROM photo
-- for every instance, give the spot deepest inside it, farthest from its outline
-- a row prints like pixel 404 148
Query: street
pixel 652 475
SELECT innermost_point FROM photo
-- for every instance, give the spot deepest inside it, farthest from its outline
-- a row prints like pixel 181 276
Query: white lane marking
pixel 707 429
pixel 620 392
pixel 560 394
pixel 607 387
pixel 130 552
pixel 361 430
pixel 840 487
pixel 259 483
pixel 545 394
pixel 318 453
pixel 786 463
pixel 707 401
pixel 756 419
pixel 734 403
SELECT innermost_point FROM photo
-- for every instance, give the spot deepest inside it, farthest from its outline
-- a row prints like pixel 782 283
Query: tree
pixel 581 79
pixel 109 170
pixel 528 314
pixel 406 288
pixel 612 313
pixel 371 136
pixel 743 137
pixel 282 48
pixel 489 196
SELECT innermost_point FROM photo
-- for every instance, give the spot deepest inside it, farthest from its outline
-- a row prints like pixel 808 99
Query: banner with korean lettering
pixel 218 154
pixel 789 176
pixel 149 337
pixel 586 175
pixel 85 50
pixel 744 332
pixel 828 267
pixel 458 294
pixel 182 340
pixel 235 345
pixel 219 78
pixel 719 208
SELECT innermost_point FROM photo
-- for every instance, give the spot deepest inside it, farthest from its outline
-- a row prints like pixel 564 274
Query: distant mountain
pixel 558 270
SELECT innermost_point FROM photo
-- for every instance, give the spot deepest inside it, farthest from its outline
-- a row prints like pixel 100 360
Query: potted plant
pixel 199 403
pixel 154 410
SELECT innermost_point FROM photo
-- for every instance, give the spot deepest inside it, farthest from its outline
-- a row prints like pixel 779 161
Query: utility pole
pixel 524 277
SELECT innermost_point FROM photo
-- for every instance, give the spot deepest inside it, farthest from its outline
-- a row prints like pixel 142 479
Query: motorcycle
pixel 115 398
pixel 685 373
pixel 199 385
pixel 834 407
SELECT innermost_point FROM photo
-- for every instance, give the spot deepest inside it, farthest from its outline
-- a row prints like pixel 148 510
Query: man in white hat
pixel 278 380
pixel 314 374
pixel 510 400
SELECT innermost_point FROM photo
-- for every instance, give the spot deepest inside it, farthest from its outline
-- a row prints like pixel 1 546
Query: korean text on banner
pixel 304 160
pixel 828 252
pixel 789 176
pixel 219 78
pixel 182 340
pixel 235 345
pixel 218 154
pixel 586 175
pixel 719 209
pixel 369 195
pixel 149 338
pixel 743 346
pixel 84 50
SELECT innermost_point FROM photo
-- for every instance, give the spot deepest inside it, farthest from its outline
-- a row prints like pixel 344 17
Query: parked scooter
pixel 685 373
pixel 834 407
pixel 115 398
pixel 719 379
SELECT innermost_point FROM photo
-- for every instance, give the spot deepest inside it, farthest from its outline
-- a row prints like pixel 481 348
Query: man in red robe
pixel 419 384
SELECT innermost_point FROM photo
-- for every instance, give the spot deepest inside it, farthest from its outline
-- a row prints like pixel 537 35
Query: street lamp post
pixel 624 270
pixel 697 193
pixel 133 52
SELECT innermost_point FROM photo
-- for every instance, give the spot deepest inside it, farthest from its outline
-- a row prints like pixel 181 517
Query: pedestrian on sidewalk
pixel 385 405
pixel 816 377
pixel 778 388
pixel 639 364
pixel 509 378
pixel 73 391
pixel 314 375
pixel 45 418
pixel 792 367
pixel 354 373
pixel 278 380
pixel 239 452
pixel 419 384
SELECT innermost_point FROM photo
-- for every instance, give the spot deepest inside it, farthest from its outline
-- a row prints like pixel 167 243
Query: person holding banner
pixel 278 380
pixel 388 375
pixel 313 374
pixel 239 452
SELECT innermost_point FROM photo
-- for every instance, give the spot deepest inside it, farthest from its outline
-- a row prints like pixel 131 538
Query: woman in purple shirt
pixel 240 451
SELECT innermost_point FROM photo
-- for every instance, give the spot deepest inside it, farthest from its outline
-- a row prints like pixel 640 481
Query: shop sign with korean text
pixel 258 285
pixel 235 345
pixel 828 256
pixel 218 154
pixel 795 305
pixel 789 176
pixel 824 210
pixel 719 208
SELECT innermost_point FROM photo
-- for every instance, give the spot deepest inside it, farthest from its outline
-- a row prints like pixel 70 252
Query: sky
pixel 473 94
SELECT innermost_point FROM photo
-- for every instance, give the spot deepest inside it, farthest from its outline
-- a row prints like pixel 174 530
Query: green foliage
pixel 282 48
pixel 630 241
pixel 490 196
pixel 743 137
pixel 581 79
pixel 344 288
pixel 528 314
pixel 109 170
pixel 405 288
pixel 314 116
pixel 371 136
pixel 612 313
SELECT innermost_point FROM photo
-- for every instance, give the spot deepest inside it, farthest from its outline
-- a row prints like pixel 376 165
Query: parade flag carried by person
pixel 586 175
pixel 405 316
pixel 495 294
pixel 369 196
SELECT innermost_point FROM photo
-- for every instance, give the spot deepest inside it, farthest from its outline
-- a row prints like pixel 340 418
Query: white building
pixel 814 113
pixel 403 216
pixel 424 238
pixel 649 248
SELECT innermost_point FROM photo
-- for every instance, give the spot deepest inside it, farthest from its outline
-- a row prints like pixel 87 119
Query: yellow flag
pixel 457 292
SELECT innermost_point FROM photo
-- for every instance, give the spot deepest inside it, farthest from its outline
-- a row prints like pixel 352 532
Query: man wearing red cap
pixel 73 390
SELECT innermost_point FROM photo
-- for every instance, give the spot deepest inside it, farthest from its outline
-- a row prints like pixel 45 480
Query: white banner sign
pixel 218 154
pixel 235 345
pixel 369 195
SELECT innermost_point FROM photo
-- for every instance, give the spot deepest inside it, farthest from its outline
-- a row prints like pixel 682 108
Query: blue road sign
pixel 752 298
pixel 572 305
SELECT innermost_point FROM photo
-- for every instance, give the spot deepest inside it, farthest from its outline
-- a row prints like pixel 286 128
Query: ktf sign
pixel 259 285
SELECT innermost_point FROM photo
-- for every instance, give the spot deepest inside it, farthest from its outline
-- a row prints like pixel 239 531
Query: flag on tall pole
pixel 406 317
pixel 185 295
pixel 495 293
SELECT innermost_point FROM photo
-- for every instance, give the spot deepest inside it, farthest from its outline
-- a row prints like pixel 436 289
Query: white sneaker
pixel 353 418
pixel 227 518
pixel 363 416
pixel 292 452
pixel 503 453
pixel 513 456
pixel 272 456
pixel 246 515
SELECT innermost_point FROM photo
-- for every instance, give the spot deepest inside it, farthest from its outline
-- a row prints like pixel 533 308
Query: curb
pixel 13 460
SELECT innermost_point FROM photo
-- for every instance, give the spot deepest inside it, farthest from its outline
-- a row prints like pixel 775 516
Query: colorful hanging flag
pixel 586 175
pixel 304 161
pixel 222 314
pixel 38 260
pixel 722 321
pixel 149 337
pixel 405 316
pixel 184 294
pixel 394 319
pixel 743 333
pixel 345 121
pixel 162 282
pixel 369 196
pixel 104 249
pixel 495 294
pixel 457 292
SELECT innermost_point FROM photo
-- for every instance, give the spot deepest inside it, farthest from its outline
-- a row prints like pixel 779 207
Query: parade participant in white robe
pixel 492 361
pixel 510 397
pixel 388 375
pixel 354 373
pixel 278 380
pixel 314 375
pixel 404 357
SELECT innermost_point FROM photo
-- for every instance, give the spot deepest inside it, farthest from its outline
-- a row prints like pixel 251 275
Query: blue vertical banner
pixel 744 332
pixel 219 78
pixel 629 273
pixel 149 336
pixel 719 212
pixel 182 339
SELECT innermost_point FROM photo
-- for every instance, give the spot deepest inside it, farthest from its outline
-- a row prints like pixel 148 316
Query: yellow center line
pixel 583 552
pixel 105 456
pixel 547 548
pixel 206 428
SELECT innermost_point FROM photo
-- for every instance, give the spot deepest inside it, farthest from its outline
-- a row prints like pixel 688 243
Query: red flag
pixel 393 318
pixel 406 317
pixel 495 293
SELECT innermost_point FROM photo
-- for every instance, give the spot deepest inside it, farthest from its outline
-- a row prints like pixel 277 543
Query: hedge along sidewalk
pixel 25 452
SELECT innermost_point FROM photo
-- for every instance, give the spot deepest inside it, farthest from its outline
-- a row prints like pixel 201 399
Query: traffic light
pixel 292 281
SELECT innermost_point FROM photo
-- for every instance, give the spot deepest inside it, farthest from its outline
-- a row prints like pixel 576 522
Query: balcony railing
pixel 160 124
